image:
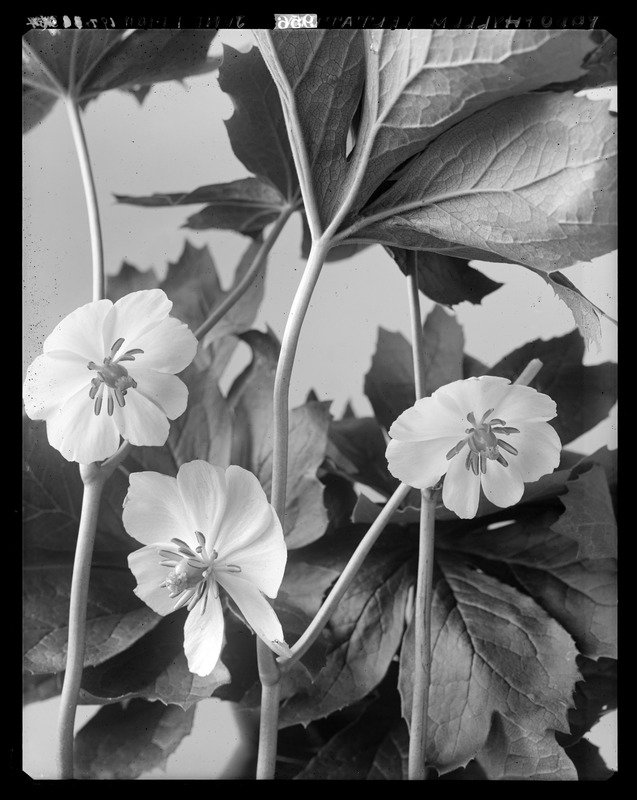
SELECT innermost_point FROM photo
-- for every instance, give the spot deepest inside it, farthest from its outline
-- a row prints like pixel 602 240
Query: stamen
pixel 495 421
pixel 475 463
pixel 200 538
pixel 485 415
pixel 116 346
pixel 502 460
pixel 233 568
pixel 129 355
pixel 483 463
pixel 508 431
pixel 472 419
pixel 196 564
pixel 119 396
pixel 508 447
pixel 98 404
pixel 184 599
pixel 167 553
pixel 168 564
pixel 181 543
pixel 110 405
pixel 455 449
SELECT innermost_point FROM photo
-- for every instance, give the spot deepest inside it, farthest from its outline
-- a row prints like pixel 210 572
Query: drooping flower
pixel 206 529
pixel 479 433
pixel 109 370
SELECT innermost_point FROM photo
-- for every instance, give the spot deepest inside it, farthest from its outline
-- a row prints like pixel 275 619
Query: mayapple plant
pixel 460 626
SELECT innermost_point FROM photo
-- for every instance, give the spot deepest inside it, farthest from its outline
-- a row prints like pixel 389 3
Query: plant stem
pixel 269 671
pixel 246 282
pixel 94 477
pixel 97 250
pixel 283 375
pixel 303 644
pixel 270 676
pixel 94 480
pixel 529 372
pixel 417 769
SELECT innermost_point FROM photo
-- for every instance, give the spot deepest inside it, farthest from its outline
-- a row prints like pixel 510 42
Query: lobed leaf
pixel 83 63
pixel 584 394
pixel 246 206
pixel 251 400
pixel 389 384
pixel 495 652
pixel 319 75
pixel 421 83
pixel 444 279
pixel 122 742
pixel 530 180
pixel 366 629
pixel 257 129
pixel 153 668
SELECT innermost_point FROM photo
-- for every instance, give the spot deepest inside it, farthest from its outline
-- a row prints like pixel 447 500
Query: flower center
pixel 114 376
pixel 191 571
pixel 484 444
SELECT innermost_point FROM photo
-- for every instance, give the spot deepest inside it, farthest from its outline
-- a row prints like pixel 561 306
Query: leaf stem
pixel 240 289
pixel 90 194
pixel 417 769
pixel 303 644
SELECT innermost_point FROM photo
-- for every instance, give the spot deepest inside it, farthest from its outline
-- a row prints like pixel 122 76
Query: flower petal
pixel 250 534
pixel 524 404
pixel 539 449
pixel 168 347
pixel 419 464
pixel 51 380
pixel 166 391
pixel 479 395
pixel 146 567
pixel 79 434
pixel 81 332
pixel 203 490
pixel 257 611
pixel 135 314
pixel 203 635
pixel 461 489
pixel 141 421
pixel 430 418
pixel 503 486
pixel 153 509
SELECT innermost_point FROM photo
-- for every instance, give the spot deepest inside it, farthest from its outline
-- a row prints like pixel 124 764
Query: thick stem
pixel 97 250
pixel 94 480
pixel 311 634
pixel 246 282
pixel 422 606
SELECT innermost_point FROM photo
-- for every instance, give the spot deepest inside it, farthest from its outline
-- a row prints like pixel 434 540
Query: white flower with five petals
pixel 205 530
pixel 108 370
pixel 480 433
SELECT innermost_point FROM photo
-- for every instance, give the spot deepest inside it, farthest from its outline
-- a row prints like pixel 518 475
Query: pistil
pixel 114 376
pixel 484 442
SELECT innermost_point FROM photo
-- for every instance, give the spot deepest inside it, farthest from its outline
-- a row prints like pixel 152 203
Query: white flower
pixel 108 370
pixel 207 528
pixel 480 432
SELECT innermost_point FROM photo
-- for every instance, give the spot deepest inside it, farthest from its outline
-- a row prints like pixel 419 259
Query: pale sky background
pixel 176 141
